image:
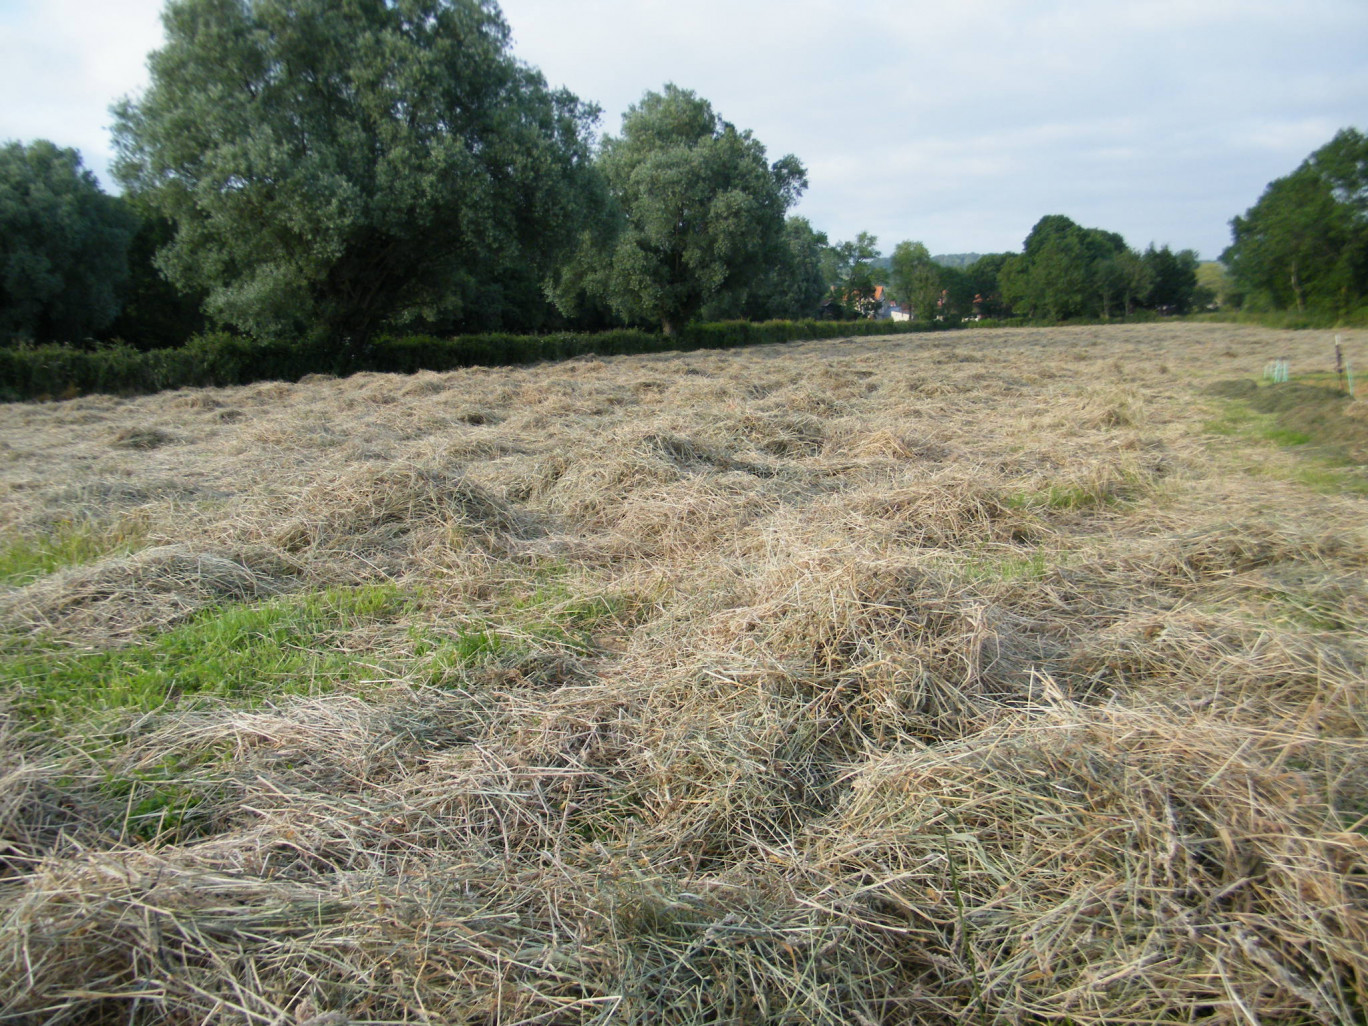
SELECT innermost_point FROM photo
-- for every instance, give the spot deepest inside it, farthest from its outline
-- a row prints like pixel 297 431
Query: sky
pixel 957 123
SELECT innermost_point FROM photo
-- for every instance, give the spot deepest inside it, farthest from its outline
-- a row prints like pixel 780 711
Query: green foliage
pixel 1171 279
pixel 341 167
pixel 916 280
pixel 957 261
pixel 155 314
pixel 1213 286
pixel 1125 279
pixel 1304 245
pixel 1057 275
pixel 63 246
pixel 696 212
pixel 1068 272
pixel 981 281
pixel 221 359
pixel 793 288
pixel 853 274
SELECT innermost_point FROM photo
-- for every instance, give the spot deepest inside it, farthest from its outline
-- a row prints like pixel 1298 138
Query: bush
pixel 222 358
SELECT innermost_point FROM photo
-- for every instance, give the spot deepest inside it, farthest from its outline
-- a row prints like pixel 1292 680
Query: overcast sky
pixel 958 123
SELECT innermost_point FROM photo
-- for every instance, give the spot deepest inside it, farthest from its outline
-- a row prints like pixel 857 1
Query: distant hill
pixel 956 259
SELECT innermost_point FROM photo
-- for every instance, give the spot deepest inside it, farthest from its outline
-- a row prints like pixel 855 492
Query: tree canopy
pixel 1066 271
pixel 916 279
pixel 791 288
pixel 347 165
pixel 1304 244
pixel 853 275
pixel 63 246
pixel 696 212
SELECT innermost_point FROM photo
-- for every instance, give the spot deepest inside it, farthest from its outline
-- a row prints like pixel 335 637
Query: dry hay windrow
pixel 963 678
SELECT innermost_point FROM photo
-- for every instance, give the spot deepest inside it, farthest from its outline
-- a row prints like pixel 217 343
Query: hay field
pixel 1006 676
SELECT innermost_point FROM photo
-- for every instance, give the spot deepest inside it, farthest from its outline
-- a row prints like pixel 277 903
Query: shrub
pixel 222 358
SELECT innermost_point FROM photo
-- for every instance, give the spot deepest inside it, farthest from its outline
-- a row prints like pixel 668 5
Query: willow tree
pixel 347 165
pixel 696 211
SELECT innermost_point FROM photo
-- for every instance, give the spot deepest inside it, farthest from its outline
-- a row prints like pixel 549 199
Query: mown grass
pixel 546 616
pixel 1303 415
pixel 247 655
pixel 25 558
pixel 167 802
pixel 1073 496
pixel 308 644
pixel 1007 567
pixel 1237 420
pixel 241 653
pixel 1016 699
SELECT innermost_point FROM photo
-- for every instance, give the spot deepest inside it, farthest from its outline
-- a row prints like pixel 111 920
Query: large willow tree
pixel 348 165
pixel 697 212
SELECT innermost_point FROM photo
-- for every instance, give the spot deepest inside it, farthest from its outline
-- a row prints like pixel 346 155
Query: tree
pixel 983 284
pixel 155 314
pixel 957 292
pixel 698 213
pixel 792 289
pixel 1289 242
pixel 348 165
pixel 1213 285
pixel 63 246
pixel 1064 271
pixel 1126 278
pixel 1173 279
pixel 916 280
pixel 852 277
pixel 1304 244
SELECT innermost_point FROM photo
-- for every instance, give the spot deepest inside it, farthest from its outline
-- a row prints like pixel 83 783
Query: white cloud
pixel 63 62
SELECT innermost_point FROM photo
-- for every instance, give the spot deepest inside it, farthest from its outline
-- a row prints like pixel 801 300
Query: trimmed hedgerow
pixel 221 358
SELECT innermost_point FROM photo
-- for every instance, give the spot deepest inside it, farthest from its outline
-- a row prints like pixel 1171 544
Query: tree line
pixel 1304 245
pixel 322 170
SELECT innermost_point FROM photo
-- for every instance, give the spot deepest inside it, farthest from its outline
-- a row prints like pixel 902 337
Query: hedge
pixel 220 358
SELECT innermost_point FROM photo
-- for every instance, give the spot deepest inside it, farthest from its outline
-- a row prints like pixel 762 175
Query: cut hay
pixel 122 595
pixel 957 678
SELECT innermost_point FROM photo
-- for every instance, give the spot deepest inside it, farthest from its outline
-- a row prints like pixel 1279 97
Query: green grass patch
pixel 1067 497
pixel 26 558
pixel 1304 610
pixel 1331 478
pixel 307 644
pixel 1308 410
pixel 240 653
pixel 1287 436
pixel 556 608
pixel 1301 415
pixel 547 613
pixel 1007 567
pixel 165 803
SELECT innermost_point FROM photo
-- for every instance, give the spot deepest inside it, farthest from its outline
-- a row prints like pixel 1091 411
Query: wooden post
pixel 1339 364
